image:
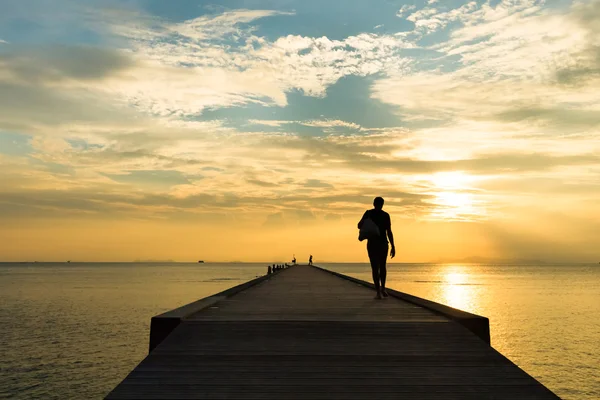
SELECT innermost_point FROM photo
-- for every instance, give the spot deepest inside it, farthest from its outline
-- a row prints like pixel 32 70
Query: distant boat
pixel 201 261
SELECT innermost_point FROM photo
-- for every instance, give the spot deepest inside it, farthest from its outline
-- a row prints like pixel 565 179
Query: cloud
pixel 333 217
pixel 477 20
pixel 269 122
pixel 485 164
pixel 181 69
pixel 428 20
pixel 305 215
pixel 588 13
pixel 123 159
pixel 276 220
pixel 327 125
pixel 164 90
pixel 258 182
pixel 54 108
pixel 151 178
pixel 493 79
pixel 573 185
pixel 221 26
pixel 585 66
pixel 405 9
pixel 377 153
pixel 58 63
pixel 586 69
pixel 217 61
pixel 230 25
pixel 332 124
pixel 144 193
pixel 57 85
pixel 559 117
pixel 316 183
pixel 336 149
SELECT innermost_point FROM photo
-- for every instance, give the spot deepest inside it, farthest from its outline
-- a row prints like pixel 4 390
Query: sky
pixel 253 130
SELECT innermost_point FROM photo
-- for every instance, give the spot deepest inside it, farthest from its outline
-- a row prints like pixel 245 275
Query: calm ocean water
pixel 76 330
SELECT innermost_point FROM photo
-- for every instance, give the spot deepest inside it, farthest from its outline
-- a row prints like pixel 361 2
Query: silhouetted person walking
pixel 377 246
pixel 310 260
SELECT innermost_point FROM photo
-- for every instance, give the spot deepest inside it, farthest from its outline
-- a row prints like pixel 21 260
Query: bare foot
pixel 378 296
pixel 384 293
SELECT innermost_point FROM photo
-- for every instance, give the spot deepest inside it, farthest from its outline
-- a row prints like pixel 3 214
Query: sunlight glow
pixel 452 180
pixel 455 197
pixel 456 206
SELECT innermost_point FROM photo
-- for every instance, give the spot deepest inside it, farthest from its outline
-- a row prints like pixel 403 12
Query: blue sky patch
pixel 347 100
pixel 15 144
pixel 314 18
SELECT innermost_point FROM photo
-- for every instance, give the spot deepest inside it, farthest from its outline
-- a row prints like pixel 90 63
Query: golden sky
pixel 252 131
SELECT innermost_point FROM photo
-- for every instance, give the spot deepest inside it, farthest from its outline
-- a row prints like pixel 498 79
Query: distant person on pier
pixel 310 260
pixel 269 270
pixel 377 245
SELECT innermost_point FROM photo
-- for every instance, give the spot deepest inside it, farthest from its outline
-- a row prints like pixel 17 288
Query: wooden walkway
pixel 308 334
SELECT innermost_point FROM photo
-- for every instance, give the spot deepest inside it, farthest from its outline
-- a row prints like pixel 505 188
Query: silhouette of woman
pixel 377 247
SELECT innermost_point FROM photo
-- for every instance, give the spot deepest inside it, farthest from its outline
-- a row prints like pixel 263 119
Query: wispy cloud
pixel 268 122
pixel 327 124
pixel 333 124
pixel 513 80
pixel 219 62
pixel 56 64
pixel 405 9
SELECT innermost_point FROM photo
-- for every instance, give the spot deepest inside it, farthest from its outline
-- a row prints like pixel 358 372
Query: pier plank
pixel 307 334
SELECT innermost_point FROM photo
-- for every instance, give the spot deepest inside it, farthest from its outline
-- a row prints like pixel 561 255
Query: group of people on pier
pixel 276 267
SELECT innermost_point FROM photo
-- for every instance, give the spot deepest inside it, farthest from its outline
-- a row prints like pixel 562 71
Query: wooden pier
pixel 307 333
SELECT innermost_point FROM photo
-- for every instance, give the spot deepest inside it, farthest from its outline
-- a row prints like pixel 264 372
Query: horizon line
pixel 499 261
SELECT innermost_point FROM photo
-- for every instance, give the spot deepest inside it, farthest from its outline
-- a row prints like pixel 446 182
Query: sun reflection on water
pixel 457 290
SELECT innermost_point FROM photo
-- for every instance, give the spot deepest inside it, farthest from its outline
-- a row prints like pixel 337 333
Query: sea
pixel 75 330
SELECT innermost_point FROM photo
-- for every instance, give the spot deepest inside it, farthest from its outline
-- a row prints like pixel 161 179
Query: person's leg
pixel 374 259
pixel 383 268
